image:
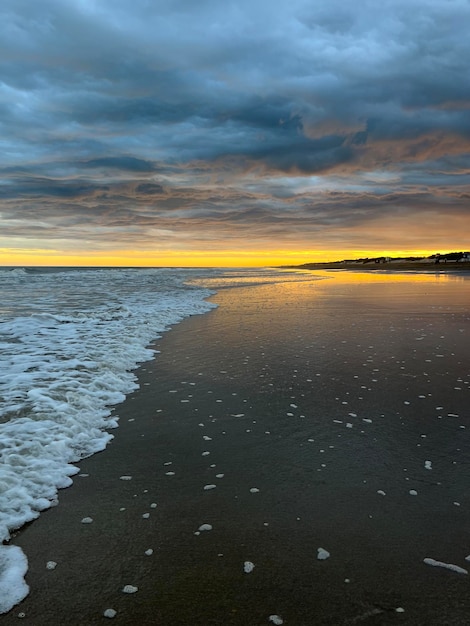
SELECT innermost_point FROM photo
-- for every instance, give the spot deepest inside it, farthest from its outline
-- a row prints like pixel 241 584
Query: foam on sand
pixel 13 567
pixel 322 554
pixel 67 355
pixel 454 568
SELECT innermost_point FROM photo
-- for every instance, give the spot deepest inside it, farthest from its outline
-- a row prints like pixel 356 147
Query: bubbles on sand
pixel 205 527
pixel 450 566
pixel 322 554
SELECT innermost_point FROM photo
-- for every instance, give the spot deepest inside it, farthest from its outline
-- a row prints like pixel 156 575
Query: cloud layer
pixel 179 125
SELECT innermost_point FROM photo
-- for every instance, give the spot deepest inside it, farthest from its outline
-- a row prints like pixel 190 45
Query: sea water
pixel 69 342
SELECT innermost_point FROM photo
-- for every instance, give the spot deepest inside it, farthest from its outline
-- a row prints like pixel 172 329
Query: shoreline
pixel 391 266
pixel 267 384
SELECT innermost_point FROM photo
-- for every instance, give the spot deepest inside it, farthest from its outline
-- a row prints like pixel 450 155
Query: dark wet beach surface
pixel 319 395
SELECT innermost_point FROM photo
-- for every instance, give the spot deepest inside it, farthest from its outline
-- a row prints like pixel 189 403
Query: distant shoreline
pixel 390 266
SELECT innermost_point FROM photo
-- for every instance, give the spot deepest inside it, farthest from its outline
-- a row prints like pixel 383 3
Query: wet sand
pixel 310 398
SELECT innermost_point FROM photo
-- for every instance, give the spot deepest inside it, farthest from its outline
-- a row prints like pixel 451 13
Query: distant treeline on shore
pixel 434 258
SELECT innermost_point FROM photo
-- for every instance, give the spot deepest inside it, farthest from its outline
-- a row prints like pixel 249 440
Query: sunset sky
pixel 247 132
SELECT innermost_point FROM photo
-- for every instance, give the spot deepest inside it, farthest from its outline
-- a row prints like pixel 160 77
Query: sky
pixel 247 132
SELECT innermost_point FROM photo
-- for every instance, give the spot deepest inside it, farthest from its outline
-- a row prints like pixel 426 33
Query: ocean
pixel 332 405
pixel 70 340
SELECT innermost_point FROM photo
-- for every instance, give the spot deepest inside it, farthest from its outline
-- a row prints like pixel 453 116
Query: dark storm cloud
pixel 120 163
pixel 43 188
pixel 222 116
pixel 149 189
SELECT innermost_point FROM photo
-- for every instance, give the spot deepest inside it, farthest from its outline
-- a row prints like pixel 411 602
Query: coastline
pixel 390 266
pixel 267 384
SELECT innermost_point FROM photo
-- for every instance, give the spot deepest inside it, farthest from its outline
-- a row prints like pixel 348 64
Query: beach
pixel 394 265
pixel 298 455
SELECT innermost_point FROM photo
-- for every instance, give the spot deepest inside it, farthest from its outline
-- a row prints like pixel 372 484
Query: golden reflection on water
pixel 409 291
pixel 293 277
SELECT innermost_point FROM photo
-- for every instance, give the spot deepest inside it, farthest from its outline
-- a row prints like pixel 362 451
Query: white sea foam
pixel 69 342
pixel 13 567
pixel 322 554
pixel 451 566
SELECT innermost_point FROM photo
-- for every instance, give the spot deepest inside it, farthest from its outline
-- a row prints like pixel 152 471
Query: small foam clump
pixel 322 554
pixel 248 567
pixel 130 589
pixel 454 568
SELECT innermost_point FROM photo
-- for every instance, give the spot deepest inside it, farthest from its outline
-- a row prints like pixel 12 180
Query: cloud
pixel 126 163
pixel 209 122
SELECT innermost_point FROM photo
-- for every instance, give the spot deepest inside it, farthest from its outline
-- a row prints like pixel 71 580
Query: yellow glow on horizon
pixel 192 258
